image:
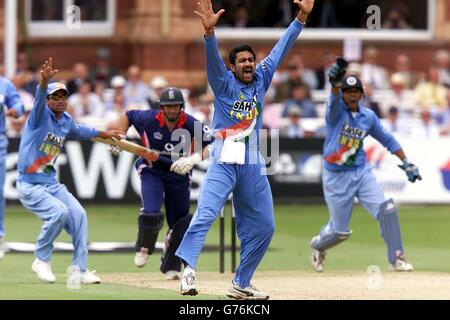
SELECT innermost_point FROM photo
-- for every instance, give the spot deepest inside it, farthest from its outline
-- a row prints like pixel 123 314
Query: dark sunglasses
pixel 58 98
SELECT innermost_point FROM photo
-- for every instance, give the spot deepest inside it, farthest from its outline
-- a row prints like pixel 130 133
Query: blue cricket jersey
pixel 43 139
pixel 238 104
pixel 154 133
pixel 345 132
pixel 10 98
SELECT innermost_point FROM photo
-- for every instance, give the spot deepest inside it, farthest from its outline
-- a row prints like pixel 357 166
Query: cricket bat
pixel 149 154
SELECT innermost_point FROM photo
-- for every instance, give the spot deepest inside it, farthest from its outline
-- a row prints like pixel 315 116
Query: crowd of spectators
pixel 409 103
pixel 395 15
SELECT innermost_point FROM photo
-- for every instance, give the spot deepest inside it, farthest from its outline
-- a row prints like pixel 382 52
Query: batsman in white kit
pixel 46 130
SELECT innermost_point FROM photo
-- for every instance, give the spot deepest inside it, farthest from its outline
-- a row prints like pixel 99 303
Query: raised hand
pixel 306 6
pixel 47 71
pixel 207 15
pixel 337 72
pixel 11 113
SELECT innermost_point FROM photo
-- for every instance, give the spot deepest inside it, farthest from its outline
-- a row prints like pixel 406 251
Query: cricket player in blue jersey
pixel 347 174
pixel 46 130
pixel 9 98
pixel 235 163
pixel 173 135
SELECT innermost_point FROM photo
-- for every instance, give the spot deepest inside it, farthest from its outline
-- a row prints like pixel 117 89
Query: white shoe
pixel 401 265
pixel 141 258
pixel 317 259
pixel 43 270
pixel 247 293
pixel 188 283
pixel 172 275
pixel 89 277
pixel 2 248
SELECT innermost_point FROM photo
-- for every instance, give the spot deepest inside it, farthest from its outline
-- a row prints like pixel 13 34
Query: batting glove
pixel 115 150
pixel 184 165
pixel 411 171
pixel 337 72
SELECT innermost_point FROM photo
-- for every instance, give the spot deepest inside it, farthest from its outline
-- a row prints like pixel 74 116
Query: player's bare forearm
pixel 123 124
pixel 400 154
pixel 306 7
pixel 116 134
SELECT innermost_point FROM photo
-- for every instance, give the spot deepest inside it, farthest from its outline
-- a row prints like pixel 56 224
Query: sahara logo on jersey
pixel 446 175
pixel 52 144
pixel 242 110
pixel 351 141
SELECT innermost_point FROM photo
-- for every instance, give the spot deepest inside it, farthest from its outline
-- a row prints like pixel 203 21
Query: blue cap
pixel 56 86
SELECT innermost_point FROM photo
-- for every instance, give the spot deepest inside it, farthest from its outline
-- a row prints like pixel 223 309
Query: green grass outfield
pixel 425 234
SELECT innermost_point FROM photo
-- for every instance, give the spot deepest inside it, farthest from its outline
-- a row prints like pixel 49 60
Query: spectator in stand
pixel 205 109
pixel 369 102
pixel 308 75
pixel 22 64
pixel 321 73
pixel 240 17
pixel 157 85
pixel 300 97
pixel 394 124
pixel 399 97
pixel 272 115
pixel 116 101
pixel 80 76
pixel 443 117
pixel 85 103
pixel 371 72
pixel 427 128
pixel 354 69
pixel 403 67
pixel 279 14
pixel 294 74
pixel 31 80
pixel 442 62
pixel 115 104
pixel 328 17
pixel 103 71
pixel 136 92
pixel 395 20
pixel 292 127
pixel 430 95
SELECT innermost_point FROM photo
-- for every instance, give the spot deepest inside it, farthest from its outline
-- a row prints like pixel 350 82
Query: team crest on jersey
pixel 158 135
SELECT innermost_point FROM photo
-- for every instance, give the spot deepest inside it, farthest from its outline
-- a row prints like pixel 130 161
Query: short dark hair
pixel 240 48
